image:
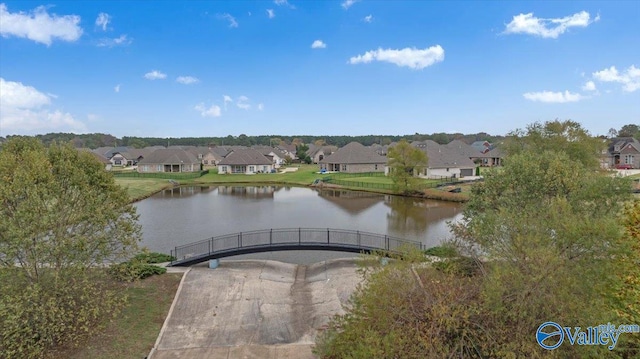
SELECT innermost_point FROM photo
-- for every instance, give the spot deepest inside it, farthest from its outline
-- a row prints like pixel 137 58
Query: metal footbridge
pixel 288 239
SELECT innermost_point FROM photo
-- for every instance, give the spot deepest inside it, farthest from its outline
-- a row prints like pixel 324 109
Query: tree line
pixel 95 140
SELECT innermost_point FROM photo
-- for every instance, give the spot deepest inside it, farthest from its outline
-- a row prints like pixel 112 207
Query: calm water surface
pixel 188 214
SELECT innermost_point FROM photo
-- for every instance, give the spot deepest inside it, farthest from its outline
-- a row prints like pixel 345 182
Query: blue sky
pixel 218 68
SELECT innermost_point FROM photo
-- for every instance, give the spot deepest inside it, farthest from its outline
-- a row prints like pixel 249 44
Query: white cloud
pixel 213 111
pixel 232 20
pixel 347 3
pixel 589 86
pixel 368 18
pixel 547 28
pixel 260 107
pixel 117 88
pixel 187 80
pixel 122 40
pixel 242 102
pixel 39 26
pixel 318 44
pixel 227 99
pixel 410 57
pixel 271 14
pixel 283 3
pixel 553 97
pixel 103 20
pixel 630 79
pixel 155 75
pixel 24 109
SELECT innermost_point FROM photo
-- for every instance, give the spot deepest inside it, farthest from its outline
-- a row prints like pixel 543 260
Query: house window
pixel 265 169
pixel 447 170
pixel 251 169
pixel 145 168
pixel 628 159
pixel 118 162
pixel 344 167
pixel 159 168
pixel 376 167
pixel 200 156
pixel 223 169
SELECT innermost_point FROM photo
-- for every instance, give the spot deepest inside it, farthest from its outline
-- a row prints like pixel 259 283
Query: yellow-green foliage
pixel 62 219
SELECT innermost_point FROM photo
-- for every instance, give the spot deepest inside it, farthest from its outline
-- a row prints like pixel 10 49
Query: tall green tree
pixel 405 162
pixel 62 220
pixel 550 228
pixel 557 136
pixel 629 130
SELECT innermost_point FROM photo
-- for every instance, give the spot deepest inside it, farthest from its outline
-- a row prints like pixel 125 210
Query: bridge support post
pixel 213 263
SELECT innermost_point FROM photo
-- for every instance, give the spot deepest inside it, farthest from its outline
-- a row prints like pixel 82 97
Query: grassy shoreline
pixel 304 176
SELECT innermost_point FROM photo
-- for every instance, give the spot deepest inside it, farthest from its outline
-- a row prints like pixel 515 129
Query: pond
pixel 187 214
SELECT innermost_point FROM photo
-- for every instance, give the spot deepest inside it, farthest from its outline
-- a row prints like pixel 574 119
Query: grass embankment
pixel 134 332
pixel 140 188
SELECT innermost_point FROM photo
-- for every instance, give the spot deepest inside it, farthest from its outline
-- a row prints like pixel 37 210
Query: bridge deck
pixel 285 239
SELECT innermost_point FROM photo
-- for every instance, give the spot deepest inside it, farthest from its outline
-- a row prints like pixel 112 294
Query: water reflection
pixel 416 216
pixel 252 192
pixel 187 214
pixel 352 202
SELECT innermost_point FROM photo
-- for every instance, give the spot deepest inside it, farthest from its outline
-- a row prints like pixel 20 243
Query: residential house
pixel 354 158
pixel 206 156
pixel 482 146
pixel 380 149
pixel 220 151
pixel 465 150
pixel 288 150
pixel 318 153
pixel 623 152
pixel 275 155
pixel 492 158
pixel 246 161
pixel 169 160
pixel 444 161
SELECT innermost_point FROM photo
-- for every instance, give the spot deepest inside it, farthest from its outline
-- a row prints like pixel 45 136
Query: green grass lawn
pixel 305 175
pixel 133 333
pixel 139 188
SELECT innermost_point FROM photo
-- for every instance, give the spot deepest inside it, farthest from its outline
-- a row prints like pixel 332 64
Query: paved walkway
pixel 254 309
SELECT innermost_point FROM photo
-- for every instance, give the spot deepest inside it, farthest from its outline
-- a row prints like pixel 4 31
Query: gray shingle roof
pixel 245 156
pixel 169 156
pixel 443 156
pixel 354 153
pixel 463 149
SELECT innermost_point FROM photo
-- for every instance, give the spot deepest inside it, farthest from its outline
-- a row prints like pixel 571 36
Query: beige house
pixel 354 158
pixel 245 161
pixel 169 160
pixel 444 161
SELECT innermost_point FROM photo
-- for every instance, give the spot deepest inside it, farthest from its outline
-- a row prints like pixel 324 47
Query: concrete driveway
pixel 254 309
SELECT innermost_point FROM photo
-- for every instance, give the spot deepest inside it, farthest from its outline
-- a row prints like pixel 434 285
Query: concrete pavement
pixel 255 309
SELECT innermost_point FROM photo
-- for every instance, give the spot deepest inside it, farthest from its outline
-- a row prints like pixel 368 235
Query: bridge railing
pixel 292 237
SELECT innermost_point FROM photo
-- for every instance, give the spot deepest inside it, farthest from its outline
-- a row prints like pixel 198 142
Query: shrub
pixel 154 257
pixel 441 251
pixel 134 270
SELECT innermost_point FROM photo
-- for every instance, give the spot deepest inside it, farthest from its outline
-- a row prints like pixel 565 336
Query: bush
pixel 441 252
pixel 154 257
pixel 459 266
pixel 134 270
